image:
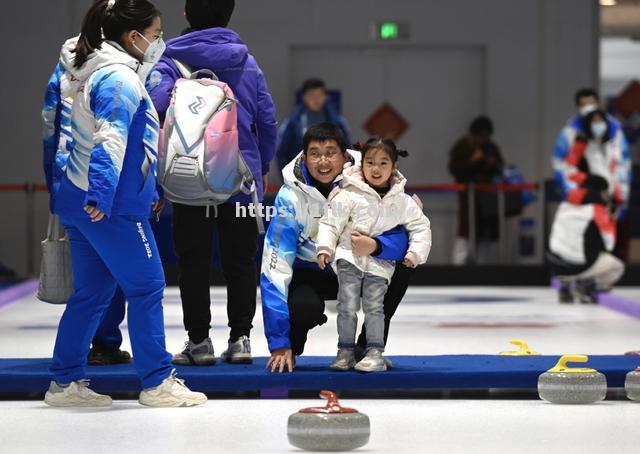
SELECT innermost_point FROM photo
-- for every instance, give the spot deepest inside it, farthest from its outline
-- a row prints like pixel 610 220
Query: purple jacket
pixel 222 50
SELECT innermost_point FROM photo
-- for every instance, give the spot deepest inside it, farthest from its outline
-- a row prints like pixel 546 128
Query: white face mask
pixel 154 50
pixel 598 128
pixel 587 109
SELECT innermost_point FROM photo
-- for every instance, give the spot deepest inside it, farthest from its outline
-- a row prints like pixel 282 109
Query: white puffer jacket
pixel 358 207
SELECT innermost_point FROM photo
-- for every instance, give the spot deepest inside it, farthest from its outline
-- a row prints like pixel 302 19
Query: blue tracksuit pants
pixel 108 334
pixel 120 251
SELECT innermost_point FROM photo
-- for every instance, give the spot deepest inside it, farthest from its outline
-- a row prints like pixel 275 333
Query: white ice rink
pixel 430 321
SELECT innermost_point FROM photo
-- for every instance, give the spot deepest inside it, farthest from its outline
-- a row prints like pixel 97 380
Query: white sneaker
pixel 172 392
pixel 345 360
pixel 373 361
pixel 76 394
pixel 238 352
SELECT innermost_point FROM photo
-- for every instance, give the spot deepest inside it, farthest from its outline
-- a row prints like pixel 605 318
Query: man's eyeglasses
pixel 316 156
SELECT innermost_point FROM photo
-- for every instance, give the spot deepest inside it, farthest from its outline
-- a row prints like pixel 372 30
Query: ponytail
pixel 380 143
pixel 91 34
pixel 108 20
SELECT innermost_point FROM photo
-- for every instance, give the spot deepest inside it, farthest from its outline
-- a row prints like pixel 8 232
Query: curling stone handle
pixel 330 396
pixel 520 343
pixel 562 362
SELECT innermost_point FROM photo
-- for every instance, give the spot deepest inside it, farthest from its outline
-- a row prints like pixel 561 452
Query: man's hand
pixel 408 263
pixel 362 245
pixel 94 213
pixel 281 358
pixel 323 260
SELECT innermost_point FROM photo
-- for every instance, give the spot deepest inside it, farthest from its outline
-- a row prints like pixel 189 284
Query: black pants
pixel 309 289
pixel 238 239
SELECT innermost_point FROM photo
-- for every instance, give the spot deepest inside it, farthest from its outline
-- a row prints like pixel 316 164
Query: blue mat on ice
pixel 312 373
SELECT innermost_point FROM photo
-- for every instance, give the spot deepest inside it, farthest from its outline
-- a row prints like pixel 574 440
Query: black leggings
pixel 309 289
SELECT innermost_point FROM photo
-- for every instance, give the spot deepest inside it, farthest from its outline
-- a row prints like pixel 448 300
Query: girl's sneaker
pixel 345 360
pixel 172 392
pixel 75 394
pixel 373 361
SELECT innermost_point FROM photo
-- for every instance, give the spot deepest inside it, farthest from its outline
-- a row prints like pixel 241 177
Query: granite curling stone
pixel 632 384
pixel 328 428
pixel 568 385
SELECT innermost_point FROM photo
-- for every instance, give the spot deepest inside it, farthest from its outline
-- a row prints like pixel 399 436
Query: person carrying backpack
pixel 209 45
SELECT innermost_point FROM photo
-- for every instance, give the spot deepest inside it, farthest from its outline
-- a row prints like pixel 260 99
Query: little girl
pixel 371 200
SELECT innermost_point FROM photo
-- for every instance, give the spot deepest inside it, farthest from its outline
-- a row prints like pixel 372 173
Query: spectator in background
pixel 475 158
pixel 313 110
pixel 586 101
pixel 211 45
pixel 583 234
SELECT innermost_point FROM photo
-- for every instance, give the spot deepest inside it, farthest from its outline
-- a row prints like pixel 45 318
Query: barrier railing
pixel 30 190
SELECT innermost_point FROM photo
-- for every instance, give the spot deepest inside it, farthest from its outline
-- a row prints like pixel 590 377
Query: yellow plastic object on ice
pixel 562 367
pixel 524 349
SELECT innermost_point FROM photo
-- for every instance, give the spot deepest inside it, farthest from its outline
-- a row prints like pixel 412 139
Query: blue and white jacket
pixel 112 164
pixel 291 242
pixel 57 139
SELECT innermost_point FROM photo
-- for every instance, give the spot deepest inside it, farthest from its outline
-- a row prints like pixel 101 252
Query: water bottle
pixel 527 237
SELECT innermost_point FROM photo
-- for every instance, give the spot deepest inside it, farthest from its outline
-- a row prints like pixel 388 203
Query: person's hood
pixel 294 175
pixel 352 175
pixel 109 53
pixel 213 48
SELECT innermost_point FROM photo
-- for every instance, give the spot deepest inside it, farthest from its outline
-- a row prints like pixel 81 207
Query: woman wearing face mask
pixel 595 164
pixel 583 231
pixel 104 201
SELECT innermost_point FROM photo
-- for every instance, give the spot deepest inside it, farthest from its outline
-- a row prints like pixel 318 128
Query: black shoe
pixel 587 292
pixel 106 357
pixel 565 295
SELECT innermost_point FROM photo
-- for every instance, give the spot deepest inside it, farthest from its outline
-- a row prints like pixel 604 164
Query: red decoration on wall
pixel 628 102
pixel 386 122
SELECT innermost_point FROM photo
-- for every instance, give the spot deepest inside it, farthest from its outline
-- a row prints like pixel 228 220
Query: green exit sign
pixel 390 31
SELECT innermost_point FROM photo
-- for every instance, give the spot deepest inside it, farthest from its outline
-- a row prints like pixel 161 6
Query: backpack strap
pixel 186 72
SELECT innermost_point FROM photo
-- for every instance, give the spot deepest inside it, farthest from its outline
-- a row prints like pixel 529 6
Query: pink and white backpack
pixel 199 159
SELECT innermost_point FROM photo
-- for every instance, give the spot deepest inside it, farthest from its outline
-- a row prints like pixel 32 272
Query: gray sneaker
pixel 359 351
pixel 373 361
pixel 345 360
pixel 238 352
pixel 196 354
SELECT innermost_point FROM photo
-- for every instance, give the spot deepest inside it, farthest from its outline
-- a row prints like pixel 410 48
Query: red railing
pixel 31 188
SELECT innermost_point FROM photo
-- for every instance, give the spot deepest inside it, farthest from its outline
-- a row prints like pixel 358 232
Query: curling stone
pixel 569 385
pixel 328 428
pixel 524 349
pixel 632 384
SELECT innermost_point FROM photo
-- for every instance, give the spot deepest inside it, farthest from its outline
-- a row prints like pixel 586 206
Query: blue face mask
pixel 598 129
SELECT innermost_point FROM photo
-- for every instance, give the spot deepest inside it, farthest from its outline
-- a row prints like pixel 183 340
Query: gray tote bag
pixel 56 274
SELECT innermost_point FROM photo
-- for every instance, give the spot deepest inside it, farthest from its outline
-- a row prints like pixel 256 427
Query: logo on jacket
pixel 194 107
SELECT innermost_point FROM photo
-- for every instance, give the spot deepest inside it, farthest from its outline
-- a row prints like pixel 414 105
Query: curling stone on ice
pixel 524 349
pixel 328 428
pixel 632 384
pixel 571 385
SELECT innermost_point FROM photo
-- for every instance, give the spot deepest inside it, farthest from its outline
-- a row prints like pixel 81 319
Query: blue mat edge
pixel 409 373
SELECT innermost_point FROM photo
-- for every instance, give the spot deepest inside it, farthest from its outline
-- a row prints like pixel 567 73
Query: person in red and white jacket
pixel 583 232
